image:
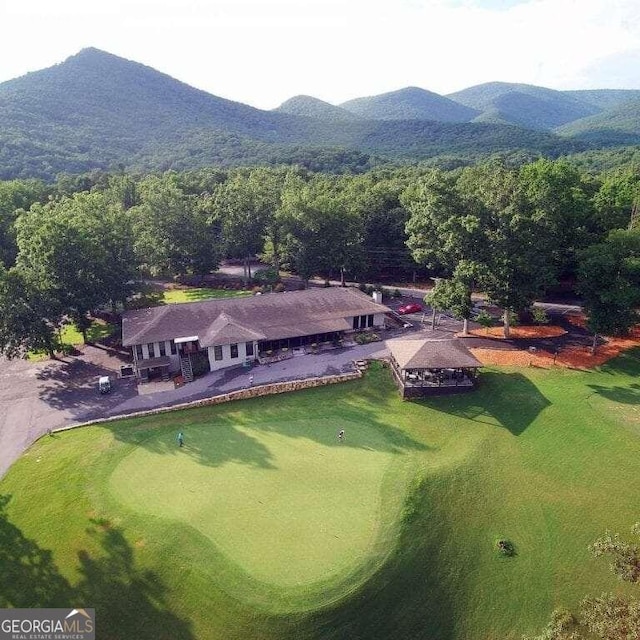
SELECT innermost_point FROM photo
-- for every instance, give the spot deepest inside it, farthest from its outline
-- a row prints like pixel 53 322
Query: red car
pixel 410 308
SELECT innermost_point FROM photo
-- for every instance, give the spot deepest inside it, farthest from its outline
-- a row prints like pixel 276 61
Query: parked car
pixel 412 307
pixel 104 384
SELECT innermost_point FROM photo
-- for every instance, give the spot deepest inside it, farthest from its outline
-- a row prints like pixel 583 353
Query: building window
pixel 217 352
pixel 172 344
pixel 139 355
pixel 152 350
pixel 162 348
pixel 370 320
pixel 356 323
pixel 363 322
pixel 249 348
pixel 234 350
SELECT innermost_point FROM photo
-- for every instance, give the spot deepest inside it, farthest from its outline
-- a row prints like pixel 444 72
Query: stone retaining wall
pixel 241 394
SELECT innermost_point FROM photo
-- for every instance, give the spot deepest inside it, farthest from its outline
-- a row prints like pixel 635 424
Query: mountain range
pixel 96 110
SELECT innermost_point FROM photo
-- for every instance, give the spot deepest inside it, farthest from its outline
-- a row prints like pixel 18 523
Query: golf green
pixel 309 509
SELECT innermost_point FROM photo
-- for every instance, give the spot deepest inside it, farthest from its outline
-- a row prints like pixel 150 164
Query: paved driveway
pixel 35 397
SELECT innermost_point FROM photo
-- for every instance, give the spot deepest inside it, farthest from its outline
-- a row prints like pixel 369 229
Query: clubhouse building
pixel 215 334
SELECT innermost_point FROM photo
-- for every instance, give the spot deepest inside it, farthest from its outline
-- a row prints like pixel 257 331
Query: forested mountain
pixel 523 104
pixel 311 107
pixel 410 103
pixel 605 98
pixel 99 111
pixel 621 124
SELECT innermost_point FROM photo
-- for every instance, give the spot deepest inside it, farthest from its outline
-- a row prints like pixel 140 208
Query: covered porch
pixel 296 342
pixel 432 367
pixel 153 368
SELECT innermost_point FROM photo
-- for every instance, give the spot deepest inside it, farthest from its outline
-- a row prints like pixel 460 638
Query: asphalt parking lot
pixel 38 396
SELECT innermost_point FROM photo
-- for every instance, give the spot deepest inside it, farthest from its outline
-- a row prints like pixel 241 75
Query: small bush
pixel 505 548
pixel 363 287
pixel 366 337
pixel 539 315
pixel 266 276
pixel 279 288
pixel 396 293
pixel 484 319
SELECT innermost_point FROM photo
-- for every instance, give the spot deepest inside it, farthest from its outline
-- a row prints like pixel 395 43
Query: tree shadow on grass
pixel 626 364
pixel 210 445
pixel 341 416
pixel 129 602
pixel 629 394
pixel 510 399
pixel 218 435
pixel 28 574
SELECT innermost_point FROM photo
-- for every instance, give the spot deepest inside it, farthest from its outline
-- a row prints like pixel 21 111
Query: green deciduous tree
pixel 15 196
pixel 615 200
pixel 609 282
pixel 172 232
pixel 452 295
pixel 516 262
pixel 625 555
pixel 561 196
pixel 375 199
pixel 484 219
pixel 442 229
pixel 245 208
pixel 28 317
pixel 323 235
pixel 77 251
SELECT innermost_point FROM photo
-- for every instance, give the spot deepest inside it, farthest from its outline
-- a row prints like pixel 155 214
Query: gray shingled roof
pixel 272 316
pixel 431 354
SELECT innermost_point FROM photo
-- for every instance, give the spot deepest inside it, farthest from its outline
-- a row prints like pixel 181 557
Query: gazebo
pixel 432 367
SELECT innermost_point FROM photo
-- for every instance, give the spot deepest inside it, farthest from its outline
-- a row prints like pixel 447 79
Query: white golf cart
pixel 104 384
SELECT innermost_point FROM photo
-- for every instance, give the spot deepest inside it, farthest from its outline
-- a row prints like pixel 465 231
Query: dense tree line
pixel 513 231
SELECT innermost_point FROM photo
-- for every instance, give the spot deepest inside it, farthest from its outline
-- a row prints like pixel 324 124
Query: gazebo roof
pixel 431 354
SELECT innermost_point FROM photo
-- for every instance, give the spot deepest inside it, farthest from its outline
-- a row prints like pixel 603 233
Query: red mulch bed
pixel 520 332
pixel 570 357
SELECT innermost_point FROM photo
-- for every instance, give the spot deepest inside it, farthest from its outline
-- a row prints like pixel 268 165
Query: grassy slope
pixel 546 459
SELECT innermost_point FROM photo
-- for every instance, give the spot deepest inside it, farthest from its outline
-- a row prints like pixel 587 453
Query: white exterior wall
pixel 175 358
pixel 227 360
pixel 378 320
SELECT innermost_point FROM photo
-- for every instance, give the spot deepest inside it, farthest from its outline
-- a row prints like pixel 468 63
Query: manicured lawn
pixel 69 335
pixel 196 294
pixel 96 332
pixel 265 526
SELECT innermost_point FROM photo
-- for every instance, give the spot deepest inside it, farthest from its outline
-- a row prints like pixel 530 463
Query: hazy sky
pixel 263 52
